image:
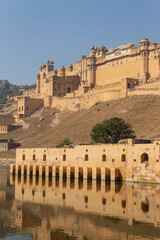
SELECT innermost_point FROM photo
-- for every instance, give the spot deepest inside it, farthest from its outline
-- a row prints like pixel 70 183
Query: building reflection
pixel 78 209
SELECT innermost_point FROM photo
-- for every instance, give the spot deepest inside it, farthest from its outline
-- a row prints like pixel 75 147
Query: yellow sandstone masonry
pixel 103 75
pixel 129 160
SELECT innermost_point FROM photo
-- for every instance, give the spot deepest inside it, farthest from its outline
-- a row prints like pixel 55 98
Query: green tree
pixel 111 131
pixel 65 142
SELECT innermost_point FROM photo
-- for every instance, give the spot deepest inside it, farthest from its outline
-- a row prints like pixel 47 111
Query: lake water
pixel 36 208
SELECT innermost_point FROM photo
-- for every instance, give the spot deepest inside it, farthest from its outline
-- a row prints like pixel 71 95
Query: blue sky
pixel 32 31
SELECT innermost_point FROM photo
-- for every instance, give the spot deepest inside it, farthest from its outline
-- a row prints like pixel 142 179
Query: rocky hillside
pixel 7 88
pixel 48 127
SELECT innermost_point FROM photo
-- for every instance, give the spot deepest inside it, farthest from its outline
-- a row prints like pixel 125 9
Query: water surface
pixel 36 208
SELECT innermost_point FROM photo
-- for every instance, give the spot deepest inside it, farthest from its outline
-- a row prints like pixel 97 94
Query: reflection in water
pixel 77 209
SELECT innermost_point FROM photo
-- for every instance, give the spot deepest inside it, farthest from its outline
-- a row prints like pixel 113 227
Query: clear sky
pixel 32 31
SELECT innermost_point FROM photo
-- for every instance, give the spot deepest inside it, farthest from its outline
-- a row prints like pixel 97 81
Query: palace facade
pixel 102 75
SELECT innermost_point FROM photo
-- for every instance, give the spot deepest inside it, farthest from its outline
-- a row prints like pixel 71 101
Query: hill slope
pixel 48 127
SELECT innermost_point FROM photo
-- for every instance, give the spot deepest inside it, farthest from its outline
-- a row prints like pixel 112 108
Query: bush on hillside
pixel 65 142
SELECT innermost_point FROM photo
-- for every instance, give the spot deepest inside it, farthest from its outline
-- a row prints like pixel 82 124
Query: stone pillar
pixel 94 186
pixel 76 172
pixel 34 170
pixel 54 171
pixel 40 170
pixel 113 174
pixel 68 172
pixel 76 184
pixel 22 169
pixel 68 184
pixel 103 186
pixel 60 172
pixel 28 170
pixel 11 179
pixel 103 174
pixel 85 173
pixel 28 181
pixel 61 182
pixel 94 175
pixel 16 169
pixel 16 179
pixel 47 171
pixel 34 180
pixel 47 182
pixel 11 168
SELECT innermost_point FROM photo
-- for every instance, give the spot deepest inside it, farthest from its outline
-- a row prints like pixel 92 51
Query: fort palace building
pixel 102 75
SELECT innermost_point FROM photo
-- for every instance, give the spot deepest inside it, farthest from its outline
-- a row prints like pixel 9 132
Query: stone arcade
pixel 129 160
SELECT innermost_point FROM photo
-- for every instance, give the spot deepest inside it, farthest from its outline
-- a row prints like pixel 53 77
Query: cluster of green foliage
pixel 111 131
pixel 8 89
pixel 65 142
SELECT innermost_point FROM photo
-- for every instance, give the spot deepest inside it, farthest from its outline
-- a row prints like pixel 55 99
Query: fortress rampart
pixel 103 75
pixel 129 160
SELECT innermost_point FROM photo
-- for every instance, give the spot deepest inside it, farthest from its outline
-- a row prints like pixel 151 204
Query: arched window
pixel 34 157
pixel 44 157
pixel 123 158
pixel 123 203
pixel 68 90
pixel 64 157
pixel 19 109
pixel 23 157
pixel 86 157
pixel 145 206
pixel 104 157
pixel 104 201
pixel 144 158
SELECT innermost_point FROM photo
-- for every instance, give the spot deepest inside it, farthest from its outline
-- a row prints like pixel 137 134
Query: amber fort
pixel 103 75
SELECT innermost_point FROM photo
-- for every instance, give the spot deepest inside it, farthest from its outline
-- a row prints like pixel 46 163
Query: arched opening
pixel 68 90
pixel 64 172
pixel 123 158
pixel 104 157
pixel 103 201
pixel 64 157
pixel 57 172
pixel 118 176
pixel 72 172
pixel 89 173
pixel 123 203
pixel 145 206
pixel 98 173
pixel 37 170
pixel 23 157
pixel 50 172
pixel 34 157
pixel 80 173
pixel 43 171
pixel 86 157
pixel 107 174
pixel 144 158
pixel 25 170
pixel 129 85
pixel 44 157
